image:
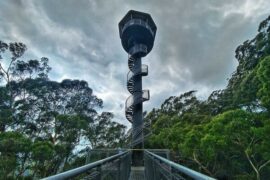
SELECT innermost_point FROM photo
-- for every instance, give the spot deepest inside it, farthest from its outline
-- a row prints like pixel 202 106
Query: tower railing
pixel 137 22
pixel 132 100
pixel 143 71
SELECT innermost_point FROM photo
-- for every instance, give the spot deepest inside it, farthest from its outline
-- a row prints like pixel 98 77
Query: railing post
pixel 171 173
pixel 119 168
pixel 154 168
pixel 99 170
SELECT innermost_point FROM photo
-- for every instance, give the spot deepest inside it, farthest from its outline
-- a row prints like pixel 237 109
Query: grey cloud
pixel 194 47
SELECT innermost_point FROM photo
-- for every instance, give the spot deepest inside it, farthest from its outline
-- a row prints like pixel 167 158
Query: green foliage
pixel 14 148
pixel 263 74
pixel 106 133
pixel 227 135
pixel 42 122
pixel 42 151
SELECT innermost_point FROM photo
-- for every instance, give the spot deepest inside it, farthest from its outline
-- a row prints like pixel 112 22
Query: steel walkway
pixel 137 173
pixel 118 167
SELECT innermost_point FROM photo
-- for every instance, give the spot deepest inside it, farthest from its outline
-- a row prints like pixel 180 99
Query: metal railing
pixel 137 97
pixel 116 167
pixel 138 49
pixel 137 22
pixel 143 71
pixel 157 167
pixel 134 99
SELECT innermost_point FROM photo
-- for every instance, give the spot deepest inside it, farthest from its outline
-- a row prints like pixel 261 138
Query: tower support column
pixel 137 133
pixel 137 31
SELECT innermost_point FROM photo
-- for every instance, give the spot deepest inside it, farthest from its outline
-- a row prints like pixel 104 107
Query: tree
pixel 248 143
pixel 225 136
pixel 42 122
pixel 16 71
pixel 103 132
pixel 15 149
pixel 263 74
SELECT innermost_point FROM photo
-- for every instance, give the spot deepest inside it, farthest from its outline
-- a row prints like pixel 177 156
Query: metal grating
pixel 137 173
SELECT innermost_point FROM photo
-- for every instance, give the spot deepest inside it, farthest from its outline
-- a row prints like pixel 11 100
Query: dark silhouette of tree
pixel 42 121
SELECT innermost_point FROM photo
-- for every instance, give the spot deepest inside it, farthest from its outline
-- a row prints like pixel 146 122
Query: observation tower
pixel 137 32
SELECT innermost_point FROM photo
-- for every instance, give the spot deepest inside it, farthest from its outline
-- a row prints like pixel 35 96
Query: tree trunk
pixel 2 127
pixel 253 166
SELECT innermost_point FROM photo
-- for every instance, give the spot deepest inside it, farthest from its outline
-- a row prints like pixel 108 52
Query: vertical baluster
pixel 119 168
pixel 99 170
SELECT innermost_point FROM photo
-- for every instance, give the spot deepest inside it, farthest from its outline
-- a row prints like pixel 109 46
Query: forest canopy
pixel 227 135
pixel 42 122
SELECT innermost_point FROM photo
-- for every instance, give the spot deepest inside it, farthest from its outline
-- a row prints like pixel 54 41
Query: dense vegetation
pixel 226 136
pixel 42 122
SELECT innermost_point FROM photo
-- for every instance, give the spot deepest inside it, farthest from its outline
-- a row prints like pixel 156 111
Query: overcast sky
pixel 194 46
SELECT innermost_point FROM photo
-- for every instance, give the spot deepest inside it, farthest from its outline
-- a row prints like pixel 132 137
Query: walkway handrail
pixel 182 169
pixel 80 170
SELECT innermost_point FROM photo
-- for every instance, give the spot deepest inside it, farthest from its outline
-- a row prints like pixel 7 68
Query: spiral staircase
pixel 136 97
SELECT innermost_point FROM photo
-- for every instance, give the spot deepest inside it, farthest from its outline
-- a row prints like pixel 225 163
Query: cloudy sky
pixel 194 46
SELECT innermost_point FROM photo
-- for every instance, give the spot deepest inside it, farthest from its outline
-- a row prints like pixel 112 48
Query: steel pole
pixel 137 155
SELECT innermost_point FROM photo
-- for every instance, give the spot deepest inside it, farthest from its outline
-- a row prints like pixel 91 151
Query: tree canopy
pixel 42 122
pixel 227 135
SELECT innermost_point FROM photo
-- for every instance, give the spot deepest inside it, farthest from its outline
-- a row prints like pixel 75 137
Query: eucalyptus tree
pixel 42 122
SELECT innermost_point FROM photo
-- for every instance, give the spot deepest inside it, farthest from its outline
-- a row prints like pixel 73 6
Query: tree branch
pixel 253 166
pixel 200 164
pixel 265 164
pixel 5 72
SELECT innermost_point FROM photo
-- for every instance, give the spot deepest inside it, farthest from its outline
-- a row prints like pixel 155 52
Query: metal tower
pixel 137 32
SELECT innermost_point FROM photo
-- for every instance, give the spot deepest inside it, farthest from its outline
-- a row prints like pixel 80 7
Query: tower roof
pixel 132 14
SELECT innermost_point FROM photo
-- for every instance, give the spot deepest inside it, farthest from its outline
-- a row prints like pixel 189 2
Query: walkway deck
pixel 137 173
